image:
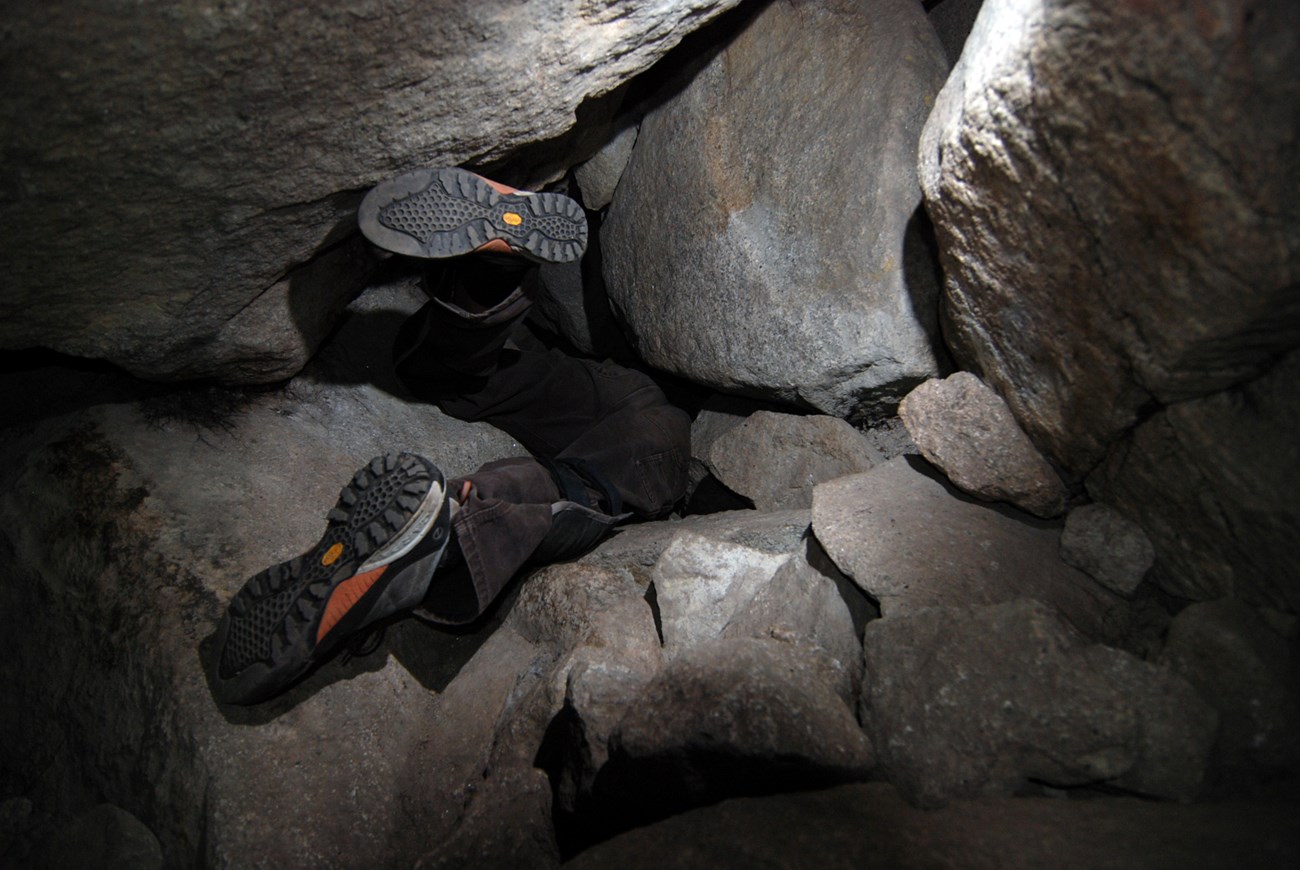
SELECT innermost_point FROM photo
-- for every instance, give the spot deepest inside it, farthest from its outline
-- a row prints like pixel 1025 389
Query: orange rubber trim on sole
pixel 342 599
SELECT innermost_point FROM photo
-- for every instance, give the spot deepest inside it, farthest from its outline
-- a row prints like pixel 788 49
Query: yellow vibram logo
pixel 511 218
pixel 332 555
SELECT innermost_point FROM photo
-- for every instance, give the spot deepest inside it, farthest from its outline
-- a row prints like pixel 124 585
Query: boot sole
pixel 436 213
pixel 385 537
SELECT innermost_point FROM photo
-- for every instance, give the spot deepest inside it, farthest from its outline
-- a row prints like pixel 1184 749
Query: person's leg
pixel 389 535
pixel 603 438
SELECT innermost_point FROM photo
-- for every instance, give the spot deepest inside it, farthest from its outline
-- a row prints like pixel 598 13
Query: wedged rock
pixel 776 459
pixel 718 414
pixel 1251 676
pixel 168 172
pixel 1213 484
pixel 978 701
pixel 729 717
pixel 598 176
pixel 701 583
pixel 747 253
pixel 1110 186
pixel 636 549
pixel 1107 546
pixel 965 429
pixel 870 825
pixel 573 306
pixel 911 541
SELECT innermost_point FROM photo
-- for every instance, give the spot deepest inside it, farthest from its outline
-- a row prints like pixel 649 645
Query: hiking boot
pixel 385 538
pixel 436 213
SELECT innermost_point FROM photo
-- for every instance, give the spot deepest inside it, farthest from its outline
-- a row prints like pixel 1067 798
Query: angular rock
pixel 972 702
pixel 746 253
pixel 1111 189
pixel 965 429
pixel 1107 546
pixel 602 682
pixel 1213 483
pixel 802 604
pixel 701 583
pixel 636 549
pixel 718 414
pixel 598 176
pixel 500 714
pixel 1252 677
pixel 507 825
pixel 167 172
pixel 869 825
pixel 729 717
pixel 911 541
pixel 775 459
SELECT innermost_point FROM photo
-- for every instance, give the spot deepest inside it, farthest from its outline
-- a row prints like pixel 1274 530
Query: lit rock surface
pixel 753 246
pixel 169 166
pixel 1113 189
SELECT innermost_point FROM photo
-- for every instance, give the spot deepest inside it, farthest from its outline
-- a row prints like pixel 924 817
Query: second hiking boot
pixel 435 213
pixel 384 541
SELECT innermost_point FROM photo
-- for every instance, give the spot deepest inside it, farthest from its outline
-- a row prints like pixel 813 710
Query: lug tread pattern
pixel 457 213
pixel 372 509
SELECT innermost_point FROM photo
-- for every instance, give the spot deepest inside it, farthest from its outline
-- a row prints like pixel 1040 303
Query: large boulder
pixel 168 165
pixel 1112 188
pixel 759 240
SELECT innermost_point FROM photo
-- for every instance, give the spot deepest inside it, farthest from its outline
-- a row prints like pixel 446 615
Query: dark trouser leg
pixel 575 413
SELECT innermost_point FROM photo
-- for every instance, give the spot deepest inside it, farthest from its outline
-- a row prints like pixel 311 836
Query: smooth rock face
pixel 1111 185
pixel 1213 484
pixel 598 176
pixel 168 166
pixel 1107 546
pixel 967 430
pixel 775 459
pixel 752 247
pixel 1251 676
pixel 911 542
pixel 972 702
